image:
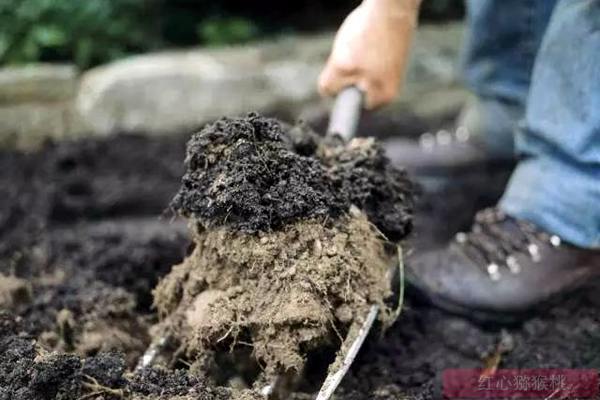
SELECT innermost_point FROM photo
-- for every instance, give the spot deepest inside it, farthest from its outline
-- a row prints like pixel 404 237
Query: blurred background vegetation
pixel 90 32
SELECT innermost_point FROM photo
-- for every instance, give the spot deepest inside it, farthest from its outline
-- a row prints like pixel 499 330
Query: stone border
pixel 174 91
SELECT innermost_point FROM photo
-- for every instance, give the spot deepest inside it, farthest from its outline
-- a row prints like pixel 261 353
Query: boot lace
pixel 493 246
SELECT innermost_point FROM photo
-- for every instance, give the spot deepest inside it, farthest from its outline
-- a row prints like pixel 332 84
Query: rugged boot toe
pixel 502 266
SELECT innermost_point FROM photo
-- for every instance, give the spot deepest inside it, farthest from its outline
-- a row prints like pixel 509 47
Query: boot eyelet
pixel 513 265
pixel 427 141
pixel 492 270
pixel 555 241
pixel 534 252
pixel 461 237
pixel 462 134
pixel 443 137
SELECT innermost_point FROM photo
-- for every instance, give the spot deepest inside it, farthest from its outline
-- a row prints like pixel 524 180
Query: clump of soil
pixel 251 174
pixel 291 239
pixel 90 291
pixel 286 292
pixel 14 292
pixel 81 285
pixel 29 372
pixel 97 319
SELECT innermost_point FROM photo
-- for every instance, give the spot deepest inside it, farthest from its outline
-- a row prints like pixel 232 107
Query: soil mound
pixel 251 174
pixel 291 242
pixel 284 292
pixel 29 372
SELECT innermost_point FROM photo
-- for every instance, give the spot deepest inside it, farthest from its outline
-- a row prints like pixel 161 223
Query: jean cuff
pixel 558 197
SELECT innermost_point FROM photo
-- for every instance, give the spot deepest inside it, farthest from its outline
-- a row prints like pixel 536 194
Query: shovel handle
pixel 345 114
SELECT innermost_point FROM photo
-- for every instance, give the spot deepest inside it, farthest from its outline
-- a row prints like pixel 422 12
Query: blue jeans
pixel 538 61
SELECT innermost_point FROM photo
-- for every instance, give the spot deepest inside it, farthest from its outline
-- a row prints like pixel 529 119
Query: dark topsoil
pixel 253 174
pixel 82 237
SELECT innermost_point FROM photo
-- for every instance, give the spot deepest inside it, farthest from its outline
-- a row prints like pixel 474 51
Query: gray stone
pixel 435 59
pixel 174 91
pixel 181 90
pixel 36 103
pixel 163 92
pixel 27 125
pixel 38 83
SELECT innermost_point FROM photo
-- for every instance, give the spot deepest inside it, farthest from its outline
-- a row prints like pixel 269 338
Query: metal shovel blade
pixel 152 353
pixel 353 344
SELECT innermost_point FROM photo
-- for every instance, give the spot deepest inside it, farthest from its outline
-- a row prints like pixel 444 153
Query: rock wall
pixel 36 102
pixel 173 91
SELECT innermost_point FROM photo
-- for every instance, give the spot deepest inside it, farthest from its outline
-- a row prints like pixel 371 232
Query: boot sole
pixel 487 317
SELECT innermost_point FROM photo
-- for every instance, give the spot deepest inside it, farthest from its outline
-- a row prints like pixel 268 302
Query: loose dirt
pixel 285 293
pixel 255 174
pixel 29 372
pixel 70 246
pixel 290 233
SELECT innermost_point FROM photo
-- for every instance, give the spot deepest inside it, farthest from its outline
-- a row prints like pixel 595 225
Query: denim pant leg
pixel 503 38
pixel 557 183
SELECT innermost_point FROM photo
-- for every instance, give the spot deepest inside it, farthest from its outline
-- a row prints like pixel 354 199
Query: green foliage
pixel 217 31
pixel 85 31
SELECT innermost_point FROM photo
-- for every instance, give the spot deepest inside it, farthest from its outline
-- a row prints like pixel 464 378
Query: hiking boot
pixel 501 268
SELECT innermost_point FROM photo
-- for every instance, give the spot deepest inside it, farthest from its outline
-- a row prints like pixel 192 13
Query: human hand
pixel 371 50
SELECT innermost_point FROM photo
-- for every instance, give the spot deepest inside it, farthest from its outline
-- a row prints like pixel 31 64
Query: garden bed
pixel 84 238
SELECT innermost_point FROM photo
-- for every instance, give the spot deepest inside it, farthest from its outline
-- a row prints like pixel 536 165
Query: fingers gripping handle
pixel 345 114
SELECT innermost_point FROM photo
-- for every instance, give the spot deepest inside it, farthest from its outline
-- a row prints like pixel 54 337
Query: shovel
pixel 343 121
pixel 345 113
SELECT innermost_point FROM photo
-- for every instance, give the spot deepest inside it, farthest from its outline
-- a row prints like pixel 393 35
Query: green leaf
pixel 29 50
pixel 221 31
pixel 83 52
pixel 49 36
pixel 4 45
